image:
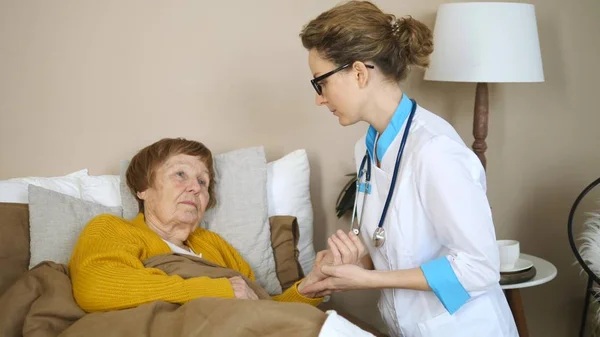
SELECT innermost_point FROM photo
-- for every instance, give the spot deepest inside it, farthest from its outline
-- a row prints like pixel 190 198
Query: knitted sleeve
pixel 235 261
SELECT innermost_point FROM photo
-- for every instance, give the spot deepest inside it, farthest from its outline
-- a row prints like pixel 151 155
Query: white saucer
pixel 521 264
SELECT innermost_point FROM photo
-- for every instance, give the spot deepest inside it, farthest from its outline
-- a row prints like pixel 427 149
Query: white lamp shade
pixel 486 42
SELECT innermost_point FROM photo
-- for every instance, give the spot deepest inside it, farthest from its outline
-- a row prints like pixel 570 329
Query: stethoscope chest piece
pixel 379 237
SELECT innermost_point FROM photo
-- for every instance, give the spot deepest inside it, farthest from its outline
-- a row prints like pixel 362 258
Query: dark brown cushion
pixel 284 240
pixel 14 243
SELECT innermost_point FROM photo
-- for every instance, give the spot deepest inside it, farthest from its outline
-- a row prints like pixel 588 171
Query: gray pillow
pixel 56 221
pixel 241 213
pixel 128 201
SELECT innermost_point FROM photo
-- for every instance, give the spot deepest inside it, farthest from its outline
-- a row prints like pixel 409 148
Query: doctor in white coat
pixel 427 238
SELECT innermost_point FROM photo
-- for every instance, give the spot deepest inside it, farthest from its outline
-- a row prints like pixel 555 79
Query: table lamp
pixel 485 42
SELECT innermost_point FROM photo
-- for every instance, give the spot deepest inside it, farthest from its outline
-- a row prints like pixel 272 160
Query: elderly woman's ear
pixel 141 195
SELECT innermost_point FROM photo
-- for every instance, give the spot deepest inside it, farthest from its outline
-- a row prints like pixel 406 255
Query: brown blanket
pixel 41 304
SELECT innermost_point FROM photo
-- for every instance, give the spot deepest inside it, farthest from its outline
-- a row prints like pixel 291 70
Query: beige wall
pixel 84 84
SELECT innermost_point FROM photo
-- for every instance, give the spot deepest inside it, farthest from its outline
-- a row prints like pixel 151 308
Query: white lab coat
pixel 439 209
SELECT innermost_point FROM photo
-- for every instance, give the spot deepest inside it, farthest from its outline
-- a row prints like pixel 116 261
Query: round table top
pixel 545 272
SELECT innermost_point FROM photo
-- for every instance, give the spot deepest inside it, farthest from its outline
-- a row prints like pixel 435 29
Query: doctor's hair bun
pixel 415 41
pixel 360 31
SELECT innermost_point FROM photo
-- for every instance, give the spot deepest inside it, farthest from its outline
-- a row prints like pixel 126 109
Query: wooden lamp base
pixel 480 122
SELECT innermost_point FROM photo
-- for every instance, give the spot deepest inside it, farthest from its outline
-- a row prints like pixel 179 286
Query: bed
pixel 263 209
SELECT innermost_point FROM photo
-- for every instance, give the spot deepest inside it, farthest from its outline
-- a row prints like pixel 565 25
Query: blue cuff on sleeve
pixel 443 281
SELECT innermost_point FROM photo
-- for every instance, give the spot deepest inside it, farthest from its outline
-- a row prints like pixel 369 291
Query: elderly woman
pixel 172 180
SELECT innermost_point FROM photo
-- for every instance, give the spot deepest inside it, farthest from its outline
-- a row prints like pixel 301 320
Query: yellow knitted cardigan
pixel 108 274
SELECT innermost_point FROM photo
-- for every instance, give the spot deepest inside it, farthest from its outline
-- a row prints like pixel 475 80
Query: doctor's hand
pixel 344 248
pixel 340 278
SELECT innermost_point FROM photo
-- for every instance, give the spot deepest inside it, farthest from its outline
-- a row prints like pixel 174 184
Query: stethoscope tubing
pixel 366 163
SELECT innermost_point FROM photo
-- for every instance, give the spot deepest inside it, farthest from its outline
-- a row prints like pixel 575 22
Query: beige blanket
pixel 41 304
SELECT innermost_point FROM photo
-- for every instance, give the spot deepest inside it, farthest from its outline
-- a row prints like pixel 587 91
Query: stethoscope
pixel 365 169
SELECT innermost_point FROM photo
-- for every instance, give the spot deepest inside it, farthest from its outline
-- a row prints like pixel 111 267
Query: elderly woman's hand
pixel 241 289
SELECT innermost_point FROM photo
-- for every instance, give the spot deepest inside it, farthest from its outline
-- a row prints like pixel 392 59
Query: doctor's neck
pixel 382 104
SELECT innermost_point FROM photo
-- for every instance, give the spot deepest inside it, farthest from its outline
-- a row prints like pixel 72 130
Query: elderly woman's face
pixel 178 195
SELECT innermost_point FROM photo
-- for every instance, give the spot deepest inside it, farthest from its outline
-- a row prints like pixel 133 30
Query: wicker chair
pixel 593 280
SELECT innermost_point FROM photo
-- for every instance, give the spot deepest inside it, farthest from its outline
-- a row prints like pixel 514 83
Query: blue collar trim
pixel 391 131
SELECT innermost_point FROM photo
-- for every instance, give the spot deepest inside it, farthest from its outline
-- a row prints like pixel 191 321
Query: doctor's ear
pixel 361 73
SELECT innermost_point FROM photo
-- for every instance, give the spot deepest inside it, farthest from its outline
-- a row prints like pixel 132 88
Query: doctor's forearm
pixel 402 279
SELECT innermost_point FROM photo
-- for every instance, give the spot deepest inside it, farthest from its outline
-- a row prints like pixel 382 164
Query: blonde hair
pixel 143 166
pixel 360 31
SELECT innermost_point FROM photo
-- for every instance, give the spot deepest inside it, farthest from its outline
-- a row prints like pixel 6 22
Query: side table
pixel 545 272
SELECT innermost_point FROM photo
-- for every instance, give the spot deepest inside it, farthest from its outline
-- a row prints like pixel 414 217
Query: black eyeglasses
pixel 315 81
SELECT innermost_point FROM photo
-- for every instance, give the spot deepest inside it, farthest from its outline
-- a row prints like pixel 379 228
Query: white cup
pixel 509 253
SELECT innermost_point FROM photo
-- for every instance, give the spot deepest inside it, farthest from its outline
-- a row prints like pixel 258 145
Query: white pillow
pixel 288 193
pixel 103 190
pixel 15 190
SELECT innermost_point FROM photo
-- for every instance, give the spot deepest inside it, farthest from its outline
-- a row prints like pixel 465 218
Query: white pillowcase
pixel 103 190
pixel 288 193
pixel 15 190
